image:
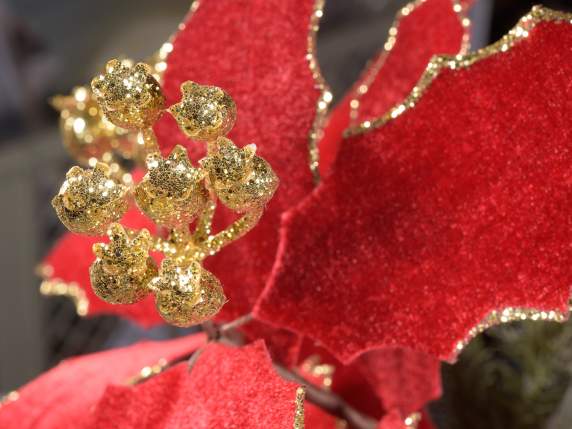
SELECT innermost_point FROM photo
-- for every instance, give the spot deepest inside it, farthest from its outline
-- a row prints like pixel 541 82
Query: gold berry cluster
pixel 127 100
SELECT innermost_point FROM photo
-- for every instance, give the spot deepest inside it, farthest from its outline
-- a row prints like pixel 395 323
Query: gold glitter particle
pixel 322 371
pixel 373 69
pixel 438 63
pixel 326 96
pixel 412 421
pixel 299 412
pixel 148 372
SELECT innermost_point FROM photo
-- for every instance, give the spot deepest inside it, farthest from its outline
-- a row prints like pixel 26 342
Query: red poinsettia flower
pixel 279 96
pixel 427 222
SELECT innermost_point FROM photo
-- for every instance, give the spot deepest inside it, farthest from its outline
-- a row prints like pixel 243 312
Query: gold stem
pixel 149 140
pixel 233 232
pixel 204 224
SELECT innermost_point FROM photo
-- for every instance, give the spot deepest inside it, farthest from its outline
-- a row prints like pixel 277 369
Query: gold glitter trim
pixel 412 421
pixel 9 397
pixel 323 103
pixel 537 15
pixel 57 287
pixel 323 371
pixel 372 69
pixel 509 314
pixel 159 59
pixel 299 413
pixel 148 372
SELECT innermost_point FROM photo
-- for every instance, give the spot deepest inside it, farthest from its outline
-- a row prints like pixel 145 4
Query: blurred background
pixel 47 47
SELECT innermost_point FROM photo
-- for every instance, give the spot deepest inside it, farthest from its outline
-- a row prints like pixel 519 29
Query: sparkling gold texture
pixel 239 178
pixel 205 112
pixel 326 96
pixel 130 96
pixel 299 412
pixel 187 295
pixel 123 267
pixel 89 200
pixel 173 193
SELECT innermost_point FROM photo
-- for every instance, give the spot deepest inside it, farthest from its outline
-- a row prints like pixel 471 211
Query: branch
pixel 326 400
pixel 329 402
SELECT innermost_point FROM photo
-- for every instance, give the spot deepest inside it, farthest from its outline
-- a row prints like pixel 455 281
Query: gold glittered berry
pixel 123 267
pixel 240 179
pixel 205 112
pixel 86 134
pixel 186 295
pixel 172 192
pixel 89 200
pixel 130 96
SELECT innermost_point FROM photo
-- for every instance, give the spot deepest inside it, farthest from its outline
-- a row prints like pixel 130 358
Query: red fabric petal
pixel 255 50
pixel 64 396
pixel 433 27
pixel 227 388
pixel 458 207
pixel 69 261
pixel 404 380
pixel 283 346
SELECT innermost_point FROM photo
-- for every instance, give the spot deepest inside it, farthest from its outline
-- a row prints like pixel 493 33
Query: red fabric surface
pixel 283 346
pixel 71 257
pixel 227 388
pixel 385 379
pixel 392 420
pixel 255 50
pixel 404 380
pixel 432 28
pixel 458 207
pixel 64 396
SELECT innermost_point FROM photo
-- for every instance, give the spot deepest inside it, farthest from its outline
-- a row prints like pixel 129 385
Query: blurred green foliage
pixel 514 376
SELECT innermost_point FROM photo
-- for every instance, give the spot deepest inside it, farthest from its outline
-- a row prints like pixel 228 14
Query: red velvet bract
pixel 458 207
pixel 226 388
pixel 255 50
pixel 64 396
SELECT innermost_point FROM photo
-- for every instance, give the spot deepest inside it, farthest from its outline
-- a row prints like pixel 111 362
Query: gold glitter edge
pixel 438 63
pixel 507 315
pixel 299 410
pixel 160 57
pixel 325 98
pixel 57 287
pixel 373 68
